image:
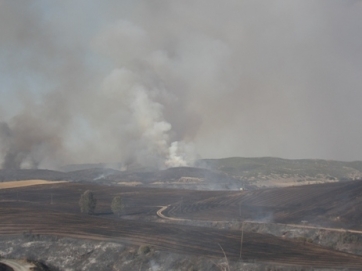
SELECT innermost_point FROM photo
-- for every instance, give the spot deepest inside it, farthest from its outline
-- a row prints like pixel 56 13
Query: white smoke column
pixel 141 122
pixel 175 158
pixel 181 154
pixel 140 96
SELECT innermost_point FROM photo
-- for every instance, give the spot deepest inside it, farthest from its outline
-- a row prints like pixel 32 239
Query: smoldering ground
pixel 162 82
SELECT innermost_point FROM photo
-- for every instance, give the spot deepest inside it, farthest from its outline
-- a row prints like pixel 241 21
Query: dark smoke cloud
pixel 160 82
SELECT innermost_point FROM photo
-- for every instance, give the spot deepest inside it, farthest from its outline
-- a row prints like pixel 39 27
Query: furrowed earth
pixel 310 227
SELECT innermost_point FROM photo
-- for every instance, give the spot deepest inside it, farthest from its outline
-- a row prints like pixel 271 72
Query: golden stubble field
pixel 16 184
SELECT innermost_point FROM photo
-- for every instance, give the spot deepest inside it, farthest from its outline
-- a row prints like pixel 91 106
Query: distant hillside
pixel 29 174
pixel 301 171
pixel 180 177
pixel 135 167
pixel 208 174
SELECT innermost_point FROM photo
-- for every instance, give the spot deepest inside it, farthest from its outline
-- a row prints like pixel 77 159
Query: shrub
pixel 117 205
pixel 87 202
pixel 143 250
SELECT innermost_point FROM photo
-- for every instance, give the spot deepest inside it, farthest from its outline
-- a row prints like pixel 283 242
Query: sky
pixel 165 82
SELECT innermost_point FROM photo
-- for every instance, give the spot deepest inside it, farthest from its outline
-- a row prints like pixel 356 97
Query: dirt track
pixel 162 216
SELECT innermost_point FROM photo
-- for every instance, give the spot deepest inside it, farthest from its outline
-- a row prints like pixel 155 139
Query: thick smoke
pixel 159 83
pixel 27 144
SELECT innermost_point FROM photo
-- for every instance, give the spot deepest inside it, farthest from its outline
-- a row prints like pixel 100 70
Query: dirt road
pixel 161 215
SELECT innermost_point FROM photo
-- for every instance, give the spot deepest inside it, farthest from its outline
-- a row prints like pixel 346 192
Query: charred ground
pixel 53 210
pixel 195 222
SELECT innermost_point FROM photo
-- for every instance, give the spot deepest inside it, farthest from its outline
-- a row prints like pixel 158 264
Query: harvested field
pixel 14 184
pixel 53 209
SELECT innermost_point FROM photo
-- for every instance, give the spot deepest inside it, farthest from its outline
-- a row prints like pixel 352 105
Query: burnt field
pixel 53 209
pixel 336 205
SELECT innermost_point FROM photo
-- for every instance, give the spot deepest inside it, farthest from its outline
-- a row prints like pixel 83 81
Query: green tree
pixel 87 202
pixel 117 205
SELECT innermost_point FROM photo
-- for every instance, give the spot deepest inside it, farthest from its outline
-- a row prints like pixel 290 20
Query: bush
pixel 143 250
pixel 87 202
pixel 117 205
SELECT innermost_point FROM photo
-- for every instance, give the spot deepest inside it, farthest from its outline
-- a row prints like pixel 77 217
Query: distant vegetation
pixel 266 166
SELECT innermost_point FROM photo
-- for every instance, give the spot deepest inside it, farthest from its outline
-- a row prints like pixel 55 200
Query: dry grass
pixel 15 184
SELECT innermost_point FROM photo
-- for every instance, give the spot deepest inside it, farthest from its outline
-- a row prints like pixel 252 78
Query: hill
pixel 208 174
pixel 181 177
pixel 273 172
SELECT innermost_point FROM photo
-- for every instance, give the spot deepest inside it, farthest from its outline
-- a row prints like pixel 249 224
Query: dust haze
pixel 163 83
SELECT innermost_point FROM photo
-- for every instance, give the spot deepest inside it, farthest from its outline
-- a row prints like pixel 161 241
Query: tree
pixel 117 205
pixel 87 202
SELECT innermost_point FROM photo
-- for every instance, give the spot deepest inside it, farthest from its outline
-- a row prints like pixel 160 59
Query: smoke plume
pixel 162 83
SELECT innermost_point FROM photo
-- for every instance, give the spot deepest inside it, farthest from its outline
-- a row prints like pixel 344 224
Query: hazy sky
pixel 164 82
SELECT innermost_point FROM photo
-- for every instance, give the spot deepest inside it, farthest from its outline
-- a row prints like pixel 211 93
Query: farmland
pixel 53 210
